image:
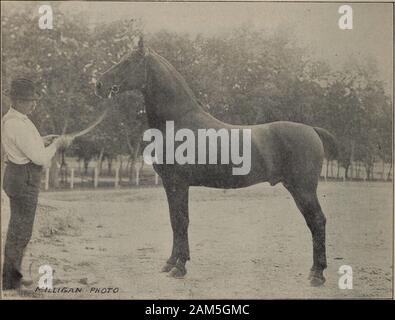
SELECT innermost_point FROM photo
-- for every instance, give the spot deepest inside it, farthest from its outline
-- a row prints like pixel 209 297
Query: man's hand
pixel 64 141
pixel 49 139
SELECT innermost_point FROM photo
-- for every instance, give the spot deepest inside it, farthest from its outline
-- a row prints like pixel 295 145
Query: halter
pixel 115 88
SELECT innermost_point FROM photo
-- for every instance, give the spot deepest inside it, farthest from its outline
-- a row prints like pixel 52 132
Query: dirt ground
pixel 246 243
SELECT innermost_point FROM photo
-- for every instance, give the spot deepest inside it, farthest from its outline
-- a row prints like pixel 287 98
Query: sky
pixel 314 25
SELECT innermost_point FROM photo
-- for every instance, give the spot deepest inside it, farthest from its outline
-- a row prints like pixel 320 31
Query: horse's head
pixel 128 74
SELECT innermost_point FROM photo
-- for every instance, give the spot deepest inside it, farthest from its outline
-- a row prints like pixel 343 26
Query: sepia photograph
pixel 196 150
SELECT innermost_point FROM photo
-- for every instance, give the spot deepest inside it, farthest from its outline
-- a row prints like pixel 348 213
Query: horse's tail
pixel 330 143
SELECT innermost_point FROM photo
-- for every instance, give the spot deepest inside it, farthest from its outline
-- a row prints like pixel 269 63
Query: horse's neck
pixel 167 96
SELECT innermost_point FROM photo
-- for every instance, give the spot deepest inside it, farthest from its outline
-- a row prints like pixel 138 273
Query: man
pixel 25 155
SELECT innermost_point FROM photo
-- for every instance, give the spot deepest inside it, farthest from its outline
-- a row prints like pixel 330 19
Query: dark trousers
pixel 21 183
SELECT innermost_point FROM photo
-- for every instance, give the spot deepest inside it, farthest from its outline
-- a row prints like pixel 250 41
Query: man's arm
pixel 32 147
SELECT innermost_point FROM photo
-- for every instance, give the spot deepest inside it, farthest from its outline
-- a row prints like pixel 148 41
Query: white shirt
pixel 22 142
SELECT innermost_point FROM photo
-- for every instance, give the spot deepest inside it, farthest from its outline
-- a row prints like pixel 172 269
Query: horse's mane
pixel 178 83
pixel 173 71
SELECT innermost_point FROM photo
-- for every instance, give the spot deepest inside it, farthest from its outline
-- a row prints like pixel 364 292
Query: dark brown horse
pixel 286 152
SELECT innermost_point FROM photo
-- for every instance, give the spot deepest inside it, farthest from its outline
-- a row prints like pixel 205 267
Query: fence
pixel 72 177
pixel 356 171
pixel 76 177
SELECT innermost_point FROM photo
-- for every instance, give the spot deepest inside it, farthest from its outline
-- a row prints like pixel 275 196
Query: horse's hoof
pixel 177 273
pixel 316 281
pixel 167 267
pixel 316 273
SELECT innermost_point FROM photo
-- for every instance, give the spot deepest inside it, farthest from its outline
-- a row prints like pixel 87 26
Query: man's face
pixel 26 106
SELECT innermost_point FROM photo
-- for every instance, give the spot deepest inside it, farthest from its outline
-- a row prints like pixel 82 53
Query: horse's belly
pixel 224 177
pixel 229 182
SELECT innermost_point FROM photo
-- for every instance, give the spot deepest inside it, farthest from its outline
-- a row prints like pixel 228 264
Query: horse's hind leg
pixel 308 204
pixel 177 196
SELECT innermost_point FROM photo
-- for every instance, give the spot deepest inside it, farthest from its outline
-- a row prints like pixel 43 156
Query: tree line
pixel 243 77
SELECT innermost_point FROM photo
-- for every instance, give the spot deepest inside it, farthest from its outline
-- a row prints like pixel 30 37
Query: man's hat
pixel 23 89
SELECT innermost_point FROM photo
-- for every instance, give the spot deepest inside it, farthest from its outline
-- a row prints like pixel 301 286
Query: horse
pixel 281 152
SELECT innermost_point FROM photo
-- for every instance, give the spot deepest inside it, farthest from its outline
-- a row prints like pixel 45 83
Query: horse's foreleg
pixel 177 196
pixel 308 204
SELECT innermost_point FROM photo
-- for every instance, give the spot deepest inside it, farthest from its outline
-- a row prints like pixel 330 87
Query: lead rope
pixel 144 85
